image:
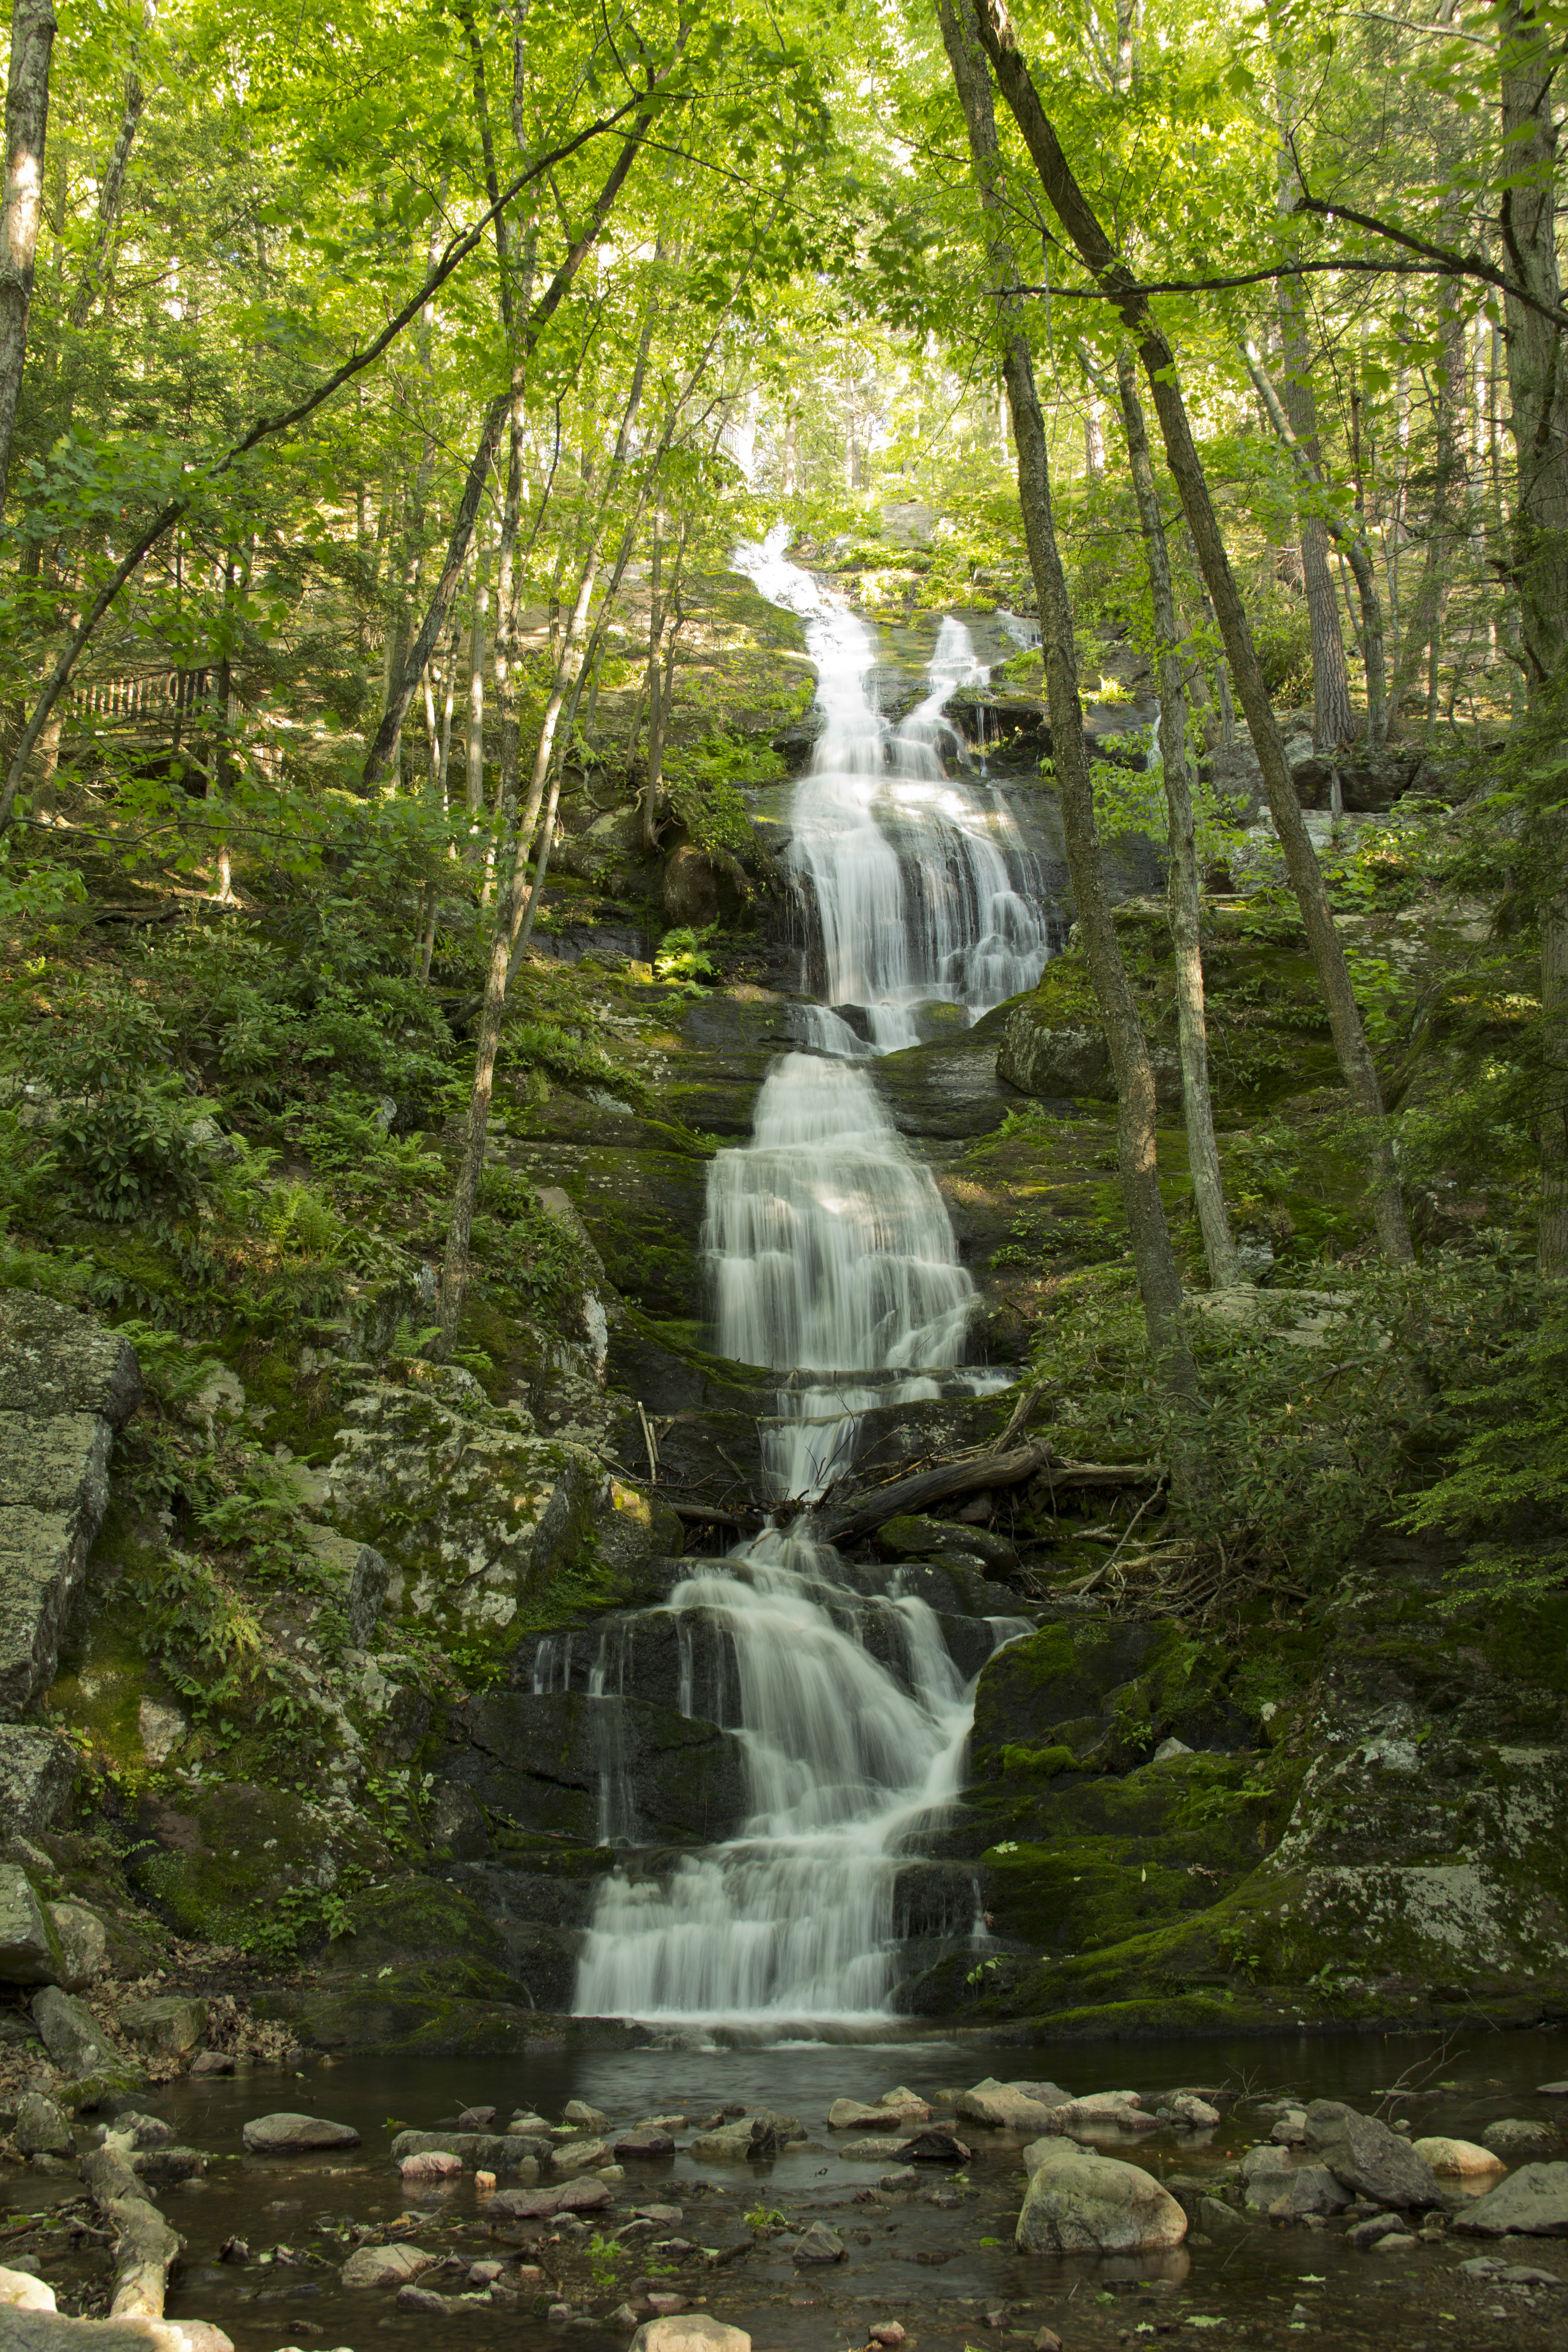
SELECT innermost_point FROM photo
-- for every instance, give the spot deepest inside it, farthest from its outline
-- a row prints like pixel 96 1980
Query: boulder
pixel 1458 2159
pixel 690 889
pixel 1370 2158
pixel 816 2244
pixel 37 1771
pixel 283 2134
pixel 172 2024
pixel 645 2142
pixel 689 2331
pixel 30 1949
pixel 495 2151
pixel 1080 2202
pixel 578 2112
pixel 542 2204
pixel 1058 1059
pixel 754 2136
pixel 1308 2188
pixel 431 2164
pixel 20 2291
pixel 54 1361
pixel 40 2129
pixel 1263 2173
pixel 881 2148
pixel 384 2265
pixel 1013 2106
pixel 854 2115
pixel 934 2148
pixel 1533 2202
pixel 73 2037
pixel 1518 2140
pixel 84 1942
pixel 583 2156
pixel 1186 2107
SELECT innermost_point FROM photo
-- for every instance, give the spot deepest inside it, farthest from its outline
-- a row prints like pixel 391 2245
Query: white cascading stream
pixel 833 1262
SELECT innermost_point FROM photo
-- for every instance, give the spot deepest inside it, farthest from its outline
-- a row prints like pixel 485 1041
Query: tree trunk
pixel 1424 631
pixel 380 753
pixel 1078 218
pixel 1333 722
pixel 1203 1155
pixel 475 739
pixel 1309 473
pixel 112 191
pixel 1538 384
pixel 1158 1278
pixel 33 32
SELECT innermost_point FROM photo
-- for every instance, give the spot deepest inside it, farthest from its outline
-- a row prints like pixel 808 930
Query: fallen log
pixel 850 1522
pixel 145 2250
pixel 703 1515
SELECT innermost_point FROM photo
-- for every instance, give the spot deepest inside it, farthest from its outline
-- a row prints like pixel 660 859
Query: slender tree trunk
pixel 380 753
pixel 112 189
pixel 1538 383
pixel 1203 1155
pixel 33 29
pixel 1310 474
pixel 1159 1280
pixel 1078 219
pixel 475 735
pixel 1424 631
pixel 1333 722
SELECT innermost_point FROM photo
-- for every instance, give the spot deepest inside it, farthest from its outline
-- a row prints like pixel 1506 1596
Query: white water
pixel 833 1262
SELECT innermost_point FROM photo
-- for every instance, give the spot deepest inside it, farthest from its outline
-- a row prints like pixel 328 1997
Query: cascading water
pixel 833 1262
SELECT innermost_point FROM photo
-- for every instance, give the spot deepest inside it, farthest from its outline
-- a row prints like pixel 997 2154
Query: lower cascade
pixel 833 1262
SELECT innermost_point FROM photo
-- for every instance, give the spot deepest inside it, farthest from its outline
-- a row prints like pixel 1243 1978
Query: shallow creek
pixel 944 2269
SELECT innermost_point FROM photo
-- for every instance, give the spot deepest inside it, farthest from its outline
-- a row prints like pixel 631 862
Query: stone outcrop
pixel 65 1386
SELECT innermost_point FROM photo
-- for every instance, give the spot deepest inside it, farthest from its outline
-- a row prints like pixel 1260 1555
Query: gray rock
pixel 1081 2202
pixel 1067 1059
pixel 1532 2202
pixel 1518 2140
pixel 1370 2158
pixel 1309 2188
pixel 541 1757
pixel 1263 2173
pixel 65 1385
pixel 879 2147
pixel 384 2265
pixel 456 1819
pixel 817 2244
pixel 40 2129
pixel 1013 2106
pixel 481 2151
pixel 277 2135
pixel 750 2139
pixel 578 2111
pixel 73 2037
pixel 1364 2235
pixel 172 2024
pixel 1188 2108
pixel 689 2331
pixel 84 1941
pixel 37 1771
pixel 54 1361
pixel 30 1947
pixel 1551 2090
pixel 362 1570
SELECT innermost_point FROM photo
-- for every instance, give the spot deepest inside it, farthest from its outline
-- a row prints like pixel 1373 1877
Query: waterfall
pixel 833 1261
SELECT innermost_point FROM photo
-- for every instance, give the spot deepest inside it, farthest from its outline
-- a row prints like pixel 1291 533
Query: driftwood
pixel 146 2248
pixel 703 1515
pixel 868 1512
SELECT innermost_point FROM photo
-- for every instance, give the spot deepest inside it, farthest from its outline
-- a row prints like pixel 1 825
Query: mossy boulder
pixel 242 1863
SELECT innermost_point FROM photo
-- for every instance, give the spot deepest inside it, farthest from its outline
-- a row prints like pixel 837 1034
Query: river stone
pixel 1264 2170
pixel 491 2151
pixel 281 2134
pixel 20 2291
pixel 73 2037
pixel 1372 2159
pixel 40 2129
pixel 753 2137
pixel 1079 2202
pixel 880 2149
pixel 1120 2110
pixel 84 1941
pixel 384 2265
pixel 854 2115
pixel 817 2244
pixel 689 2331
pixel 646 2141
pixel 1518 2140
pixel 1551 2090
pixel 1458 2158
pixel 1188 2108
pixel 934 2148
pixel 1309 2188
pixel 431 2164
pixel 1533 2202
pixel 578 2111
pixel 1013 2106
pixel 172 2024
pixel 29 1946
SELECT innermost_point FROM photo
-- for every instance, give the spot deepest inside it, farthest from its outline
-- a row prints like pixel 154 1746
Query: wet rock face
pixel 543 1759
